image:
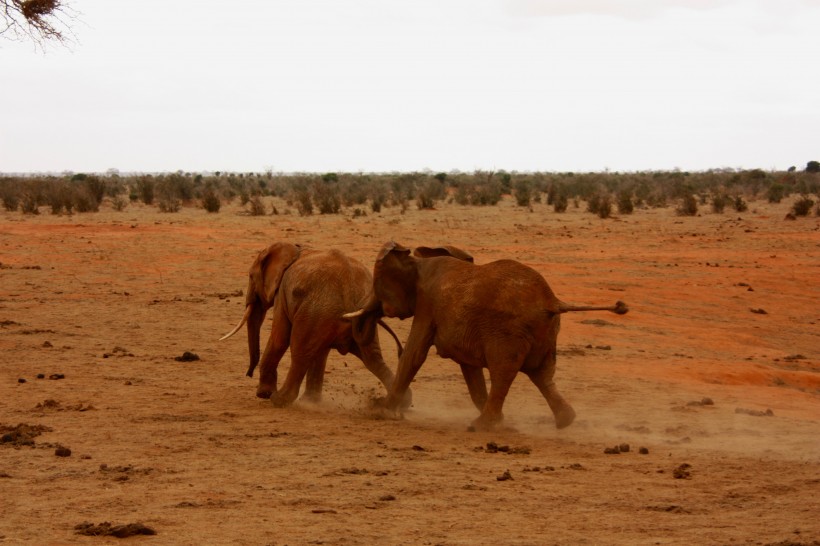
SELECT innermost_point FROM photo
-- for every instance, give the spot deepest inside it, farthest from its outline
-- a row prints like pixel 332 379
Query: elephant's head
pixel 395 277
pixel 264 278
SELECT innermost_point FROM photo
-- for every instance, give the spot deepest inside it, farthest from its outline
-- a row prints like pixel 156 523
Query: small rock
pixel 504 477
pixel 21 380
pixel 643 451
pixel 47 344
pixel 41 376
pixel 759 311
pixel 612 450
pixel 624 448
pixel 56 376
pixel 387 498
pixel 62 452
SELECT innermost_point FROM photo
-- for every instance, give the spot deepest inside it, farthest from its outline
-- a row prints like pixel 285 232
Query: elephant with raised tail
pixel 309 291
pixel 502 316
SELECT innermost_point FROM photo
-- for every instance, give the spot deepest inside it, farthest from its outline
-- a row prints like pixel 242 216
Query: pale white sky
pixel 401 85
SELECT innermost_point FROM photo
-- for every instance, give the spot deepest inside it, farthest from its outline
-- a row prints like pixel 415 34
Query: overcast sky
pixel 402 85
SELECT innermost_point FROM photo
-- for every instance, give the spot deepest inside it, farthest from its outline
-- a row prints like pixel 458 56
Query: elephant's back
pixel 328 280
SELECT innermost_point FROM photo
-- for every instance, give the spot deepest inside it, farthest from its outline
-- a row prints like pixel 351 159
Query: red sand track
pixel 109 299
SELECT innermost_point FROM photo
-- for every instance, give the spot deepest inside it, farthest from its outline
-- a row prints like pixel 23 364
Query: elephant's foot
pixel 484 423
pixel 311 397
pixel 564 416
pixel 281 400
pixel 407 400
pixel 380 410
pixel 264 391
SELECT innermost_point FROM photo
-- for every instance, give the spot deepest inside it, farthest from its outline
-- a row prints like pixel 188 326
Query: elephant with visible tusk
pixel 502 316
pixel 309 291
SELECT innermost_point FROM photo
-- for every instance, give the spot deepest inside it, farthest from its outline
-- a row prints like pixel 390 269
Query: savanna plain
pixel 714 372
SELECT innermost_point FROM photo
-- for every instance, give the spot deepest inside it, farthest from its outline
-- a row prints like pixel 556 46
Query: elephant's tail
pixel 619 308
pixel 241 323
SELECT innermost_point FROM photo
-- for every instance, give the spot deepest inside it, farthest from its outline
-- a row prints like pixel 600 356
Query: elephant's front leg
pixel 414 355
pixel 371 355
pixel 274 351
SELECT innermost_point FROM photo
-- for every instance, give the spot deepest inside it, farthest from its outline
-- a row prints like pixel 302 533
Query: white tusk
pixel 240 325
pixel 354 314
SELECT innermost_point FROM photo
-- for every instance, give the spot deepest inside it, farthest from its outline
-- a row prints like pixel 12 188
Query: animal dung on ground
pixel 682 472
pixel 755 413
pixel 106 529
pixel 187 356
pixel 505 476
pixel 62 452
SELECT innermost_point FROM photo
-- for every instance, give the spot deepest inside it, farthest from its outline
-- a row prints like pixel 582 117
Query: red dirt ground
pixel 109 299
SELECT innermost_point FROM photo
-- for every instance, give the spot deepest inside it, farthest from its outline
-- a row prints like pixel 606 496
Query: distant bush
pixel 327 197
pixel 600 204
pixel 119 203
pixel 29 204
pixel 523 192
pixel 776 193
pixel 145 189
pixel 211 201
pixel 688 206
pixel 802 206
pixel 169 204
pixel 304 203
pixel 560 202
pixel 719 203
pixel 625 204
pixel 813 167
pixel 256 206
pixel 740 204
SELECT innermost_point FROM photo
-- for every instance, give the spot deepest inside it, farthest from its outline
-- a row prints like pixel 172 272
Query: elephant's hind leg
pixel 476 385
pixel 542 378
pixel 502 375
pixel 303 359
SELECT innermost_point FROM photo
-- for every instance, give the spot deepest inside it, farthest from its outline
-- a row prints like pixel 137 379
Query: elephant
pixel 309 291
pixel 502 316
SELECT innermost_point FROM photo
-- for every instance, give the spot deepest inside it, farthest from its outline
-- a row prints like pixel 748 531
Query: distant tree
pixel 813 167
pixel 38 20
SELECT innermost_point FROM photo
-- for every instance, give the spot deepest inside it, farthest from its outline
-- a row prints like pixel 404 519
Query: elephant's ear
pixel 446 250
pixel 267 271
pixel 392 246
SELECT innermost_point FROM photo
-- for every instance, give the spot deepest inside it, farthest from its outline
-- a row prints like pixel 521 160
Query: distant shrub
pixel 169 204
pixel 430 192
pixel 211 201
pixel 776 193
pixel 802 206
pixel 28 204
pixel 145 189
pixel 560 202
pixel 719 203
pixel 625 204
pixel 600 204
pixel 256 206
pixel 119 203
pixel 813 167
pixel 10 196
pixel 688 206
pixel 523 192
pixel 740 204
pixel 304 203
pixel 327 197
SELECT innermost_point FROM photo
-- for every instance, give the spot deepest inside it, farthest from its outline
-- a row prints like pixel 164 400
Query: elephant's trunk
pixel 256 316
